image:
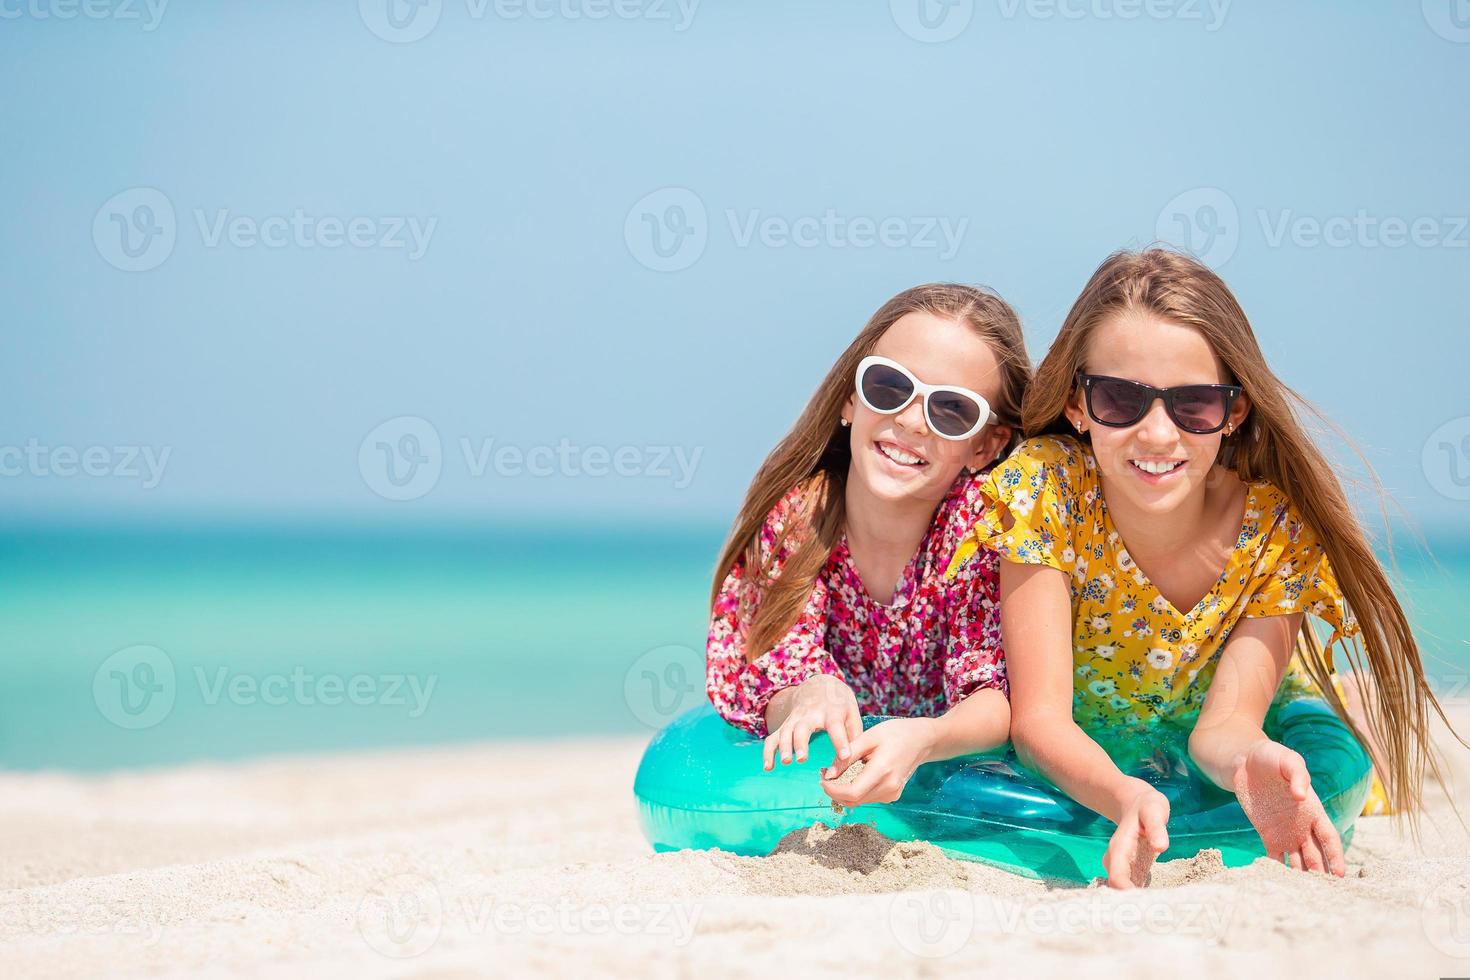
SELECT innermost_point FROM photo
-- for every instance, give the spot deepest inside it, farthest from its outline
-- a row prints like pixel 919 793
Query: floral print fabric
pixel 934 643
pixel 1137 660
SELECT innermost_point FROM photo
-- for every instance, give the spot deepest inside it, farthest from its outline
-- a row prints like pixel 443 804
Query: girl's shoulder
pixel 1289 568
pixel 954 522
pixel 1057 448
pixel 791 506
pixel 1047 467
pixel 1272 523
pixel 960 508
pixel 1062 455
pixel 789 520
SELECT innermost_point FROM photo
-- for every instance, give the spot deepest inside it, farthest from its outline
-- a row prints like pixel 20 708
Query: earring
pixel 844 422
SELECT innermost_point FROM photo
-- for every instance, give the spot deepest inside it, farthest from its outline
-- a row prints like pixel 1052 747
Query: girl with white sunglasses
pixel 829 600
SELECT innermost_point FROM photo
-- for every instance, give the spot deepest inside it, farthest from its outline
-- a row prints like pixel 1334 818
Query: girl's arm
pixel 894 749
pixel 1250 670
pixel 979 723
pixel 821 703
pixel 979 714
pixel 742 688
pixel 975 683
pixel 1037 625
pixel 1270 780
pixel 786 693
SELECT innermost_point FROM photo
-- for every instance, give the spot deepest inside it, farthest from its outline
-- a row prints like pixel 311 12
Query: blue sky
pixel 253 253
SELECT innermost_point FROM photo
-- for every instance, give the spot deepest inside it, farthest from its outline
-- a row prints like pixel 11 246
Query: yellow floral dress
pixel 1140 662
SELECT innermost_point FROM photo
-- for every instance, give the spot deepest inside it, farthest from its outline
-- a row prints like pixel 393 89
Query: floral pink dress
pixel 935 643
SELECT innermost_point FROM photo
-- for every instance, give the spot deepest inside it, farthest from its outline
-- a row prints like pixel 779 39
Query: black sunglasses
pixel 1118 402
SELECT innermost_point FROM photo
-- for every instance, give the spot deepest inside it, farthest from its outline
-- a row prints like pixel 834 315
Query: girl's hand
pixel 822 703
pixel 1275 791
pixel 891 752
pixel 1142 835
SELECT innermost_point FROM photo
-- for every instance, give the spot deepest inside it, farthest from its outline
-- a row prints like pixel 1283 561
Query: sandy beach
pixel 526 859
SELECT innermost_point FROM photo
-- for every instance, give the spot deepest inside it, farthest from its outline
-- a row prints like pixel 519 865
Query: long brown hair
pixel 816 453
pixel 1271 444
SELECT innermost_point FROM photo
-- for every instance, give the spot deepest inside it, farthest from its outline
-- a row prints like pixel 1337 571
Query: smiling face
pixel 1155 466
pixel 896 458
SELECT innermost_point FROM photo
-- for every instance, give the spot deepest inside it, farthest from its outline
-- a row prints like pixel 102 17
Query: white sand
pixel 526 859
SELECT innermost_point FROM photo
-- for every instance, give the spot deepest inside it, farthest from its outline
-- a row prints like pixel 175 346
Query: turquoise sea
pixel 147 647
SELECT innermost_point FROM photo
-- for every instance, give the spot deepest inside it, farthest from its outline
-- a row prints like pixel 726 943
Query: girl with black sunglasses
pixel 1165 531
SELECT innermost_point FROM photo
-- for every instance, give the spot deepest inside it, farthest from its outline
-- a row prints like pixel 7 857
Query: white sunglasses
pixel 887 387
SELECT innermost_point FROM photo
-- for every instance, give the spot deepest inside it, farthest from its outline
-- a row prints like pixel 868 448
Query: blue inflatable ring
pixel 701 785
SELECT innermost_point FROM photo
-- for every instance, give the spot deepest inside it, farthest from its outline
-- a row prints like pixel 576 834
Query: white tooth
pixel 898 456
pixel 1154 467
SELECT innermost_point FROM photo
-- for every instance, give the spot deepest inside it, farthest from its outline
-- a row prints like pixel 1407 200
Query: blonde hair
pixel 1271 444
pixel 816 453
